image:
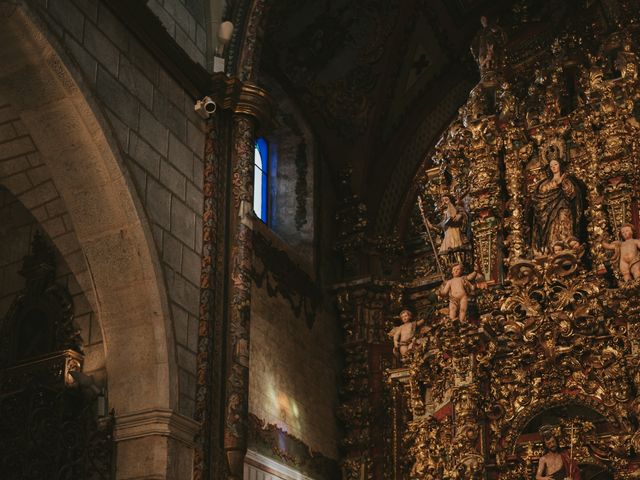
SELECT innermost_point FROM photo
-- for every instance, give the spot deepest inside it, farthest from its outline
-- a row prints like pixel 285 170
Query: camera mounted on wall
pixel 205 107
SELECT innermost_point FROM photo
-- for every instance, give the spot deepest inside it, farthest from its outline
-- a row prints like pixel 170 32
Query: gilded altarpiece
pixel 522 338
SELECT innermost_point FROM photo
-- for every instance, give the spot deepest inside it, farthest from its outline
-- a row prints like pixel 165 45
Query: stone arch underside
pixel 66 126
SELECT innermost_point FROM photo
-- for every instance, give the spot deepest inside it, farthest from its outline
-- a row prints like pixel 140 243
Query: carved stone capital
pixel 243 98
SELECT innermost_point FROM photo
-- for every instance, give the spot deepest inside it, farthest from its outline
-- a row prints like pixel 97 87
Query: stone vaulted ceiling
pixel 366 73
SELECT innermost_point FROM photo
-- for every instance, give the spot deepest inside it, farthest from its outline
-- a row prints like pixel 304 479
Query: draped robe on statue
pixel 557 211
pixel 568 465
pixel 453 224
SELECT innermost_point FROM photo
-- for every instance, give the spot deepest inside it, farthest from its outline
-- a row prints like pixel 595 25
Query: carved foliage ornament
pixel 544 157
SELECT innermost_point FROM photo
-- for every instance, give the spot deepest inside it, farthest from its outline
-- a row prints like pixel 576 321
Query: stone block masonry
pixel 185 22
pixel 159 137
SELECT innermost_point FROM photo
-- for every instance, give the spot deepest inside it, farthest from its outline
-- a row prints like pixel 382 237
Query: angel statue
pixel 627 253
pixel 458 289
pixel 403 335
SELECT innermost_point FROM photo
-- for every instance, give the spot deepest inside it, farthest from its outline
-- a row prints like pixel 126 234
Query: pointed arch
pixel 40 84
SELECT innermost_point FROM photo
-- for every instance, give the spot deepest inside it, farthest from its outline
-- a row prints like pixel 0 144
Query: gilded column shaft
pixel 514 181
pixel 239 303
pixel 597 225
pixel 484 206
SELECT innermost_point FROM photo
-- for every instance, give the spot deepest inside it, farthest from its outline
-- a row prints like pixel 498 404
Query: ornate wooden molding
pixel 53 370
pixel 40 297
pixel 261 463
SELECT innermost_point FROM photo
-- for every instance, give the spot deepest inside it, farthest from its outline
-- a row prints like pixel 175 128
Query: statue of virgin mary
pixel 558 206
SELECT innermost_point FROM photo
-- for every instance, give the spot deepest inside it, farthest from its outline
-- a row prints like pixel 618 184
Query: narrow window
pixel 260 175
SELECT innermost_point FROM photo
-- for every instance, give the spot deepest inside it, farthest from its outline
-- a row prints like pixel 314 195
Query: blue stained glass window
pixel 260 176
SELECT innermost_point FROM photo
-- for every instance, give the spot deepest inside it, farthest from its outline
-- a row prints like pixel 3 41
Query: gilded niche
pixel 526 365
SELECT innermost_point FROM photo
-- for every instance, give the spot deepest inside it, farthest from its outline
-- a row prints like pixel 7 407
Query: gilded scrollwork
pixel 545 161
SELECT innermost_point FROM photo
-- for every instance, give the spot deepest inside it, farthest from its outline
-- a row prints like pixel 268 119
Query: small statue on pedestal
pixel 627 251
pixel 457 289
pixel 453 224
pixel 558 204
pixel 403 334
pixel 488 47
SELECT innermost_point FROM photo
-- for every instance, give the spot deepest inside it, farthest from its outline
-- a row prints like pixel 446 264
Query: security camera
pixel 205 107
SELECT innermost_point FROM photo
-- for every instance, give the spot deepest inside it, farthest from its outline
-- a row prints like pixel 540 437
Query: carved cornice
pixel 243 98
pixel 154 422
pixel 268 465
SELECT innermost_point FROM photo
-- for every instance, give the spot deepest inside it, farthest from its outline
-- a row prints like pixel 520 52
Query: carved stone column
pixel 207 456
pixel 243 108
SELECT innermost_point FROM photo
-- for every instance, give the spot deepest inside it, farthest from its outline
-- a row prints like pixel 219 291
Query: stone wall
pixel 35 204
pixel 292 158
pixel 162 142
pixel 185 20
pixel 294 370
pixel 295 359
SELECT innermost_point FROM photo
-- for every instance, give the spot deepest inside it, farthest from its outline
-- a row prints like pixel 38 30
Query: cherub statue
pixel 457 289
pixel 403 334
pixel 627 251
pixel 558 247
pixel 578 248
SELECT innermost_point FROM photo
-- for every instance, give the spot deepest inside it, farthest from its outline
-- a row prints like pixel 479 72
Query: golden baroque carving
pixel 544 166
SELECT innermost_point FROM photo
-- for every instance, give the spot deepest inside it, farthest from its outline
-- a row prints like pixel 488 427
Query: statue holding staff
pixel 453 224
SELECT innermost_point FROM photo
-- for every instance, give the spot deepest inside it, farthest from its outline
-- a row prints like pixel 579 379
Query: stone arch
pixel 64 122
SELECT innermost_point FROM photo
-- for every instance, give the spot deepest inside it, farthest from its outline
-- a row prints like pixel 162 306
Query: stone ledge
pixel 152 422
